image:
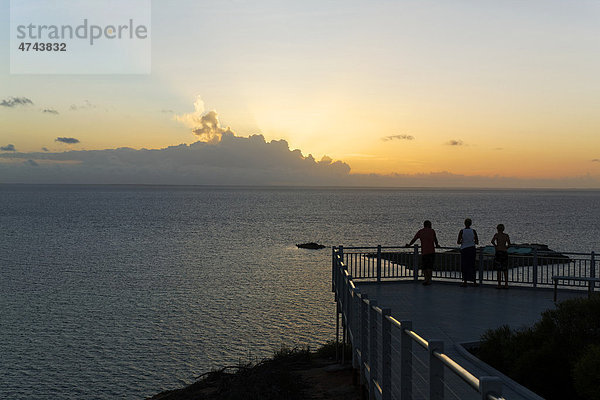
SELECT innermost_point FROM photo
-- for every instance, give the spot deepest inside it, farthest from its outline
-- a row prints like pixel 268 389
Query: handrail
pixel 418 339
pixel 490 388
pixel 449 362
pixel 532 269
pixel 577 253
pixel 458 370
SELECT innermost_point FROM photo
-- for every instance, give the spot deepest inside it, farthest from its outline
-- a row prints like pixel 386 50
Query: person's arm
pixel 413 240
pixel 495 240
pixel 475 236
pixel 435 240
pixel 459 241
pixel 507 241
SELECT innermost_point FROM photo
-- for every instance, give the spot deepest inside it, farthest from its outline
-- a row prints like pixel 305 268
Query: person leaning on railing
pixel 428 244
pixel 467 238
pixel 501 242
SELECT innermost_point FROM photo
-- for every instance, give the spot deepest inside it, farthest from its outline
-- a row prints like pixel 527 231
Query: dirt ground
pixel 330 381
pixel 314 379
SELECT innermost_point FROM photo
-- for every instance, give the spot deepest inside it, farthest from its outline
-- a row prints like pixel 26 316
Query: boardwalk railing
pixel 382 347
pixel 382 351
pixel 533 269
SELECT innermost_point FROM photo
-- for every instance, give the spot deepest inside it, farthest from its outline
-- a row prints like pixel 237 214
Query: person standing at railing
pixel 467 238
pixel 501 242
pixel 429 242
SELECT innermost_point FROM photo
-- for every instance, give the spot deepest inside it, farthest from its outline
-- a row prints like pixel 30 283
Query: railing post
pixel 344 341
pixel 592 271
pixel 333 268
pixel 436 371
pixel 490 385
pixel 373 372
pixel 416 263
pixel 337 330
pixel 386 355
pixel 535 267
pixel 364 335
pixel 480 265
pixel 405 361
pixel 354 326
pixel 378 263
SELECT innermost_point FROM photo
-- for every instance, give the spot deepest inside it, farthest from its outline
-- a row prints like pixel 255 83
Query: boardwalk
pixel 453 314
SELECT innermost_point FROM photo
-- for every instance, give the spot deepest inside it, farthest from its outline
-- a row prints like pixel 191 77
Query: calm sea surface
pixel 124 291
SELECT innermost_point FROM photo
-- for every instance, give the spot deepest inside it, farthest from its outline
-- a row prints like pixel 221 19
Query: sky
pixel 374 93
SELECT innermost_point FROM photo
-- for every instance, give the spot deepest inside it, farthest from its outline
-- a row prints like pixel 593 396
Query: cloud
pixel 15 101
pixel 50 111
pixel 193 119
pixel 596 160
pixel 204 125
pixel 67 140
pixel 210 129
pixel 85 106
pixel 455 143
pixel 398 137
pixel 45 149
pixel 8 147
pixel 232 160
pixel 226 159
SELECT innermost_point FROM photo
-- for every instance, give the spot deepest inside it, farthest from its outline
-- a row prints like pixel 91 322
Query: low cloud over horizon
pixel 234 160
pixel 230 160
pixel 222 158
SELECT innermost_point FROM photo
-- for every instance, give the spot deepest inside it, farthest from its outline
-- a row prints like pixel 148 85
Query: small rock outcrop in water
pixel 311 245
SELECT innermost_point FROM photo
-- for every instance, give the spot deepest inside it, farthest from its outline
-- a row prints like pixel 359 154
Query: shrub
pixel 586 373
pixel 557 357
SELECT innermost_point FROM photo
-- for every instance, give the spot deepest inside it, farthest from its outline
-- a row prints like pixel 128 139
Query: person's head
pixel 468 222
pixel 500 228
pixel 427 223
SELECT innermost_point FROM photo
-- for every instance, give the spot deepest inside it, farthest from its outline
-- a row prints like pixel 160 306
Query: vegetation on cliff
pixel 294 374
pixel 558 358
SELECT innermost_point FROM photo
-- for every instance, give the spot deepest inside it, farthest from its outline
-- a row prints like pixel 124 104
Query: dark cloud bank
pixel 8 147
pixel 12 102
pixel 230 160
pixel 67 140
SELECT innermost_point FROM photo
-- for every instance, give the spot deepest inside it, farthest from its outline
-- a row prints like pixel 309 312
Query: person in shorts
pixel 468 239
pixel 501 242
pixel 429 242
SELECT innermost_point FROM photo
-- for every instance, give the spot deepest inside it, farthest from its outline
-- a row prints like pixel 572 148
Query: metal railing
pixel 382 350
pixel 382 347
pixel 534 269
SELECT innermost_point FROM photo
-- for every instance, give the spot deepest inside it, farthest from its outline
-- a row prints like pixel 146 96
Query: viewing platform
pixel 410 341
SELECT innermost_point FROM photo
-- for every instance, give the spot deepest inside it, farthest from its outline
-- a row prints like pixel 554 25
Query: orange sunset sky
pixel 498 89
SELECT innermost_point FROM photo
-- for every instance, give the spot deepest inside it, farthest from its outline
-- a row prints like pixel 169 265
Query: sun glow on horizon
pixel 486 90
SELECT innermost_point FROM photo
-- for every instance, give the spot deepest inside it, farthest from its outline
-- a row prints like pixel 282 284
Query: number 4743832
pixel 42 46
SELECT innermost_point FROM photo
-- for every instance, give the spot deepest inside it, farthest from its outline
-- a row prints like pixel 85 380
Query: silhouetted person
pixel 428 244
pixel 467 238
pixel 501 242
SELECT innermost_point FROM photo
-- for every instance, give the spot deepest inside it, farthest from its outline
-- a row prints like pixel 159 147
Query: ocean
pixel 124 291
